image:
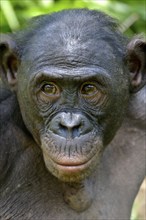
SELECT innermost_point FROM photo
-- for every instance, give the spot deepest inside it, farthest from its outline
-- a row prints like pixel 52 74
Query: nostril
pixel 76 131
pixel 63 130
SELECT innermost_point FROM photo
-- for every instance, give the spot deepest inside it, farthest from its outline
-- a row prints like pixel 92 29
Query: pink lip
pixel 71 168
pixel 70 163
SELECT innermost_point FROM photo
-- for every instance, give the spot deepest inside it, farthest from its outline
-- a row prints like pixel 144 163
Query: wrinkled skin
pixel 68 98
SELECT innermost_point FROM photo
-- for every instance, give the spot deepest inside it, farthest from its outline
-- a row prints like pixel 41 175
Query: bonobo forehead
pixel 90 54
pixel 75 38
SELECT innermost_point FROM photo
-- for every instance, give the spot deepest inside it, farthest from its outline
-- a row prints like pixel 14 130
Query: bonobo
pixel 70 81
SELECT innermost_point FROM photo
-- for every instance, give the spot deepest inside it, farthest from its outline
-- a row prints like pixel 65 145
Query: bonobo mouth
pixel 71 171
pixel 71 159
pixel 73 167
pixel 71 164
pixel 68 170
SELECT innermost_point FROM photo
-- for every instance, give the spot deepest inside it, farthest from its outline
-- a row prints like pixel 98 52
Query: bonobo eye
pixel 50 89
pixel 48 92
pixel 88 89
pixel 93 93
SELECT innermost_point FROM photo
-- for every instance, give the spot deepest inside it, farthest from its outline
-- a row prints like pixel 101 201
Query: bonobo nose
pixel 70 125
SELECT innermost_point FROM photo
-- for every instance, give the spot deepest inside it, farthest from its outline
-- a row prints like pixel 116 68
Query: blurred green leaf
pixel 14 13
pixel 9 14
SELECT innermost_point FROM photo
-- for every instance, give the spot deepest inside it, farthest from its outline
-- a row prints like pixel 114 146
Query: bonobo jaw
pixel 72 85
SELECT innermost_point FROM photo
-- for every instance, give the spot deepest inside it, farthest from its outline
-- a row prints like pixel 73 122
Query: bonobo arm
pixel 12 131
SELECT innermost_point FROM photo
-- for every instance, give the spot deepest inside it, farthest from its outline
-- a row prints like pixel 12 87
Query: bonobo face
pixel 72 114
pixel 72 99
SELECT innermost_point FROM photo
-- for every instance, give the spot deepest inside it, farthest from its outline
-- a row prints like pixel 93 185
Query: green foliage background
pixel 131 14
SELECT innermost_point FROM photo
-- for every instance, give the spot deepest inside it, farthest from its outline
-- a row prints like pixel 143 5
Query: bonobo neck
pixel 79 196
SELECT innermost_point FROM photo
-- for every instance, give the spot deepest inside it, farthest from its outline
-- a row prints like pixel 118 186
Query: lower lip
pixel 71 169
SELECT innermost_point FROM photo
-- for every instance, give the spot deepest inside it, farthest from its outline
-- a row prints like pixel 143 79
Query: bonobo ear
pixel 8 61
pixel 136 61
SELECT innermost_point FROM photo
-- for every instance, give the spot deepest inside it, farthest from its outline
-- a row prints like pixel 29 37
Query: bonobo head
pixel 72 73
